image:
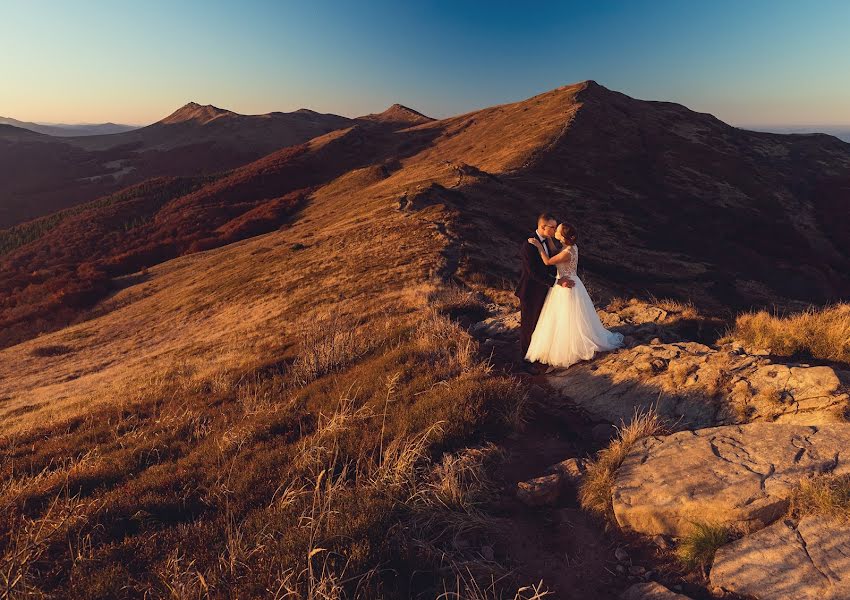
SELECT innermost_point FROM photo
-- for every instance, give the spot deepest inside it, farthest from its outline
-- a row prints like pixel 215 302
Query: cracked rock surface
pixel 806 560
pixel 694 386
pixel 740 476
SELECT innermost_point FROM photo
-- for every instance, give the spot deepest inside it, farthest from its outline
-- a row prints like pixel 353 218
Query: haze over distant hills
pixel 842 132
pixel 63 130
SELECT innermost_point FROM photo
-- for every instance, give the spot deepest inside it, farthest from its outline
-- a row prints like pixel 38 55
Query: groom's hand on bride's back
pixel 566 282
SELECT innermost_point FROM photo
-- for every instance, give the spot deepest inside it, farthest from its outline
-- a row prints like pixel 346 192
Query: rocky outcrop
pixel 694 386
pixel 809 560
pixel 690 384
pixel 740 476
pixel 746 430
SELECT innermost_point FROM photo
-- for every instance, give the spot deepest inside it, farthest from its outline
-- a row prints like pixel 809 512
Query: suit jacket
pixel 535 278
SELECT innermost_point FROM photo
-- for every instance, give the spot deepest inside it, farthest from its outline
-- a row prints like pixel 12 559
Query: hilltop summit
pixel 398 113
pixel 200 114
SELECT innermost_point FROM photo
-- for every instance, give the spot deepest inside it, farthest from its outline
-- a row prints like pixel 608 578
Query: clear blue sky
pixel 780 62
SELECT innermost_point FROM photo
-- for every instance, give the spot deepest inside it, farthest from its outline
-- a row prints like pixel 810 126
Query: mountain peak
pixel 398 113
pixel 200 114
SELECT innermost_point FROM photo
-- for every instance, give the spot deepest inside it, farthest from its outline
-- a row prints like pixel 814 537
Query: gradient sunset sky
pixel 749 62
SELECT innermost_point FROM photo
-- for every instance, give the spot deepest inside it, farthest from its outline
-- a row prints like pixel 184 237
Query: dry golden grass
pixel 683 310
pixel 822 333
pixel 595 488
pixel 467 587
pixel 824 494
pixel 264 480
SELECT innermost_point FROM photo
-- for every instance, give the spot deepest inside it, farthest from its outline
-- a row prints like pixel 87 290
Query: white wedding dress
pixel 569 329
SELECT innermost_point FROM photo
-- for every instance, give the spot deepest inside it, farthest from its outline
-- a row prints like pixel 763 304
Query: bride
pixel 569 329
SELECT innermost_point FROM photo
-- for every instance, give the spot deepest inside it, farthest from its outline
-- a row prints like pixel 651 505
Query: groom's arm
pixel 530 253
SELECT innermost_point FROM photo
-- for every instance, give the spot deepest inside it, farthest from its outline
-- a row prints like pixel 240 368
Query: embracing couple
pixel 559 325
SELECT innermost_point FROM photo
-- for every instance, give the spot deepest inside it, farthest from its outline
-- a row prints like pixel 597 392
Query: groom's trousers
pixel 529 310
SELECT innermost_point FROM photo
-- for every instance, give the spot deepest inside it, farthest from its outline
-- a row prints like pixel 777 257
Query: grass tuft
pixel 467 587
pixel 595 488
pixel 823 494
pixel 822 333
pixel 697 548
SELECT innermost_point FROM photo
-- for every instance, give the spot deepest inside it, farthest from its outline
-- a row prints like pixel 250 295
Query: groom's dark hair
pixel 545 216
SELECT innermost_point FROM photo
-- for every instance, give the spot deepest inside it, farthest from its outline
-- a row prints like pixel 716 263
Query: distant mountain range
pixel 842 132
pixel 62 130
pixel 44 173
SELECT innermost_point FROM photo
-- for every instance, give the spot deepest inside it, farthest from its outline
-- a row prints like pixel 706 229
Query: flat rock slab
pixel 805 561
pixel 694 386
pixel 737 475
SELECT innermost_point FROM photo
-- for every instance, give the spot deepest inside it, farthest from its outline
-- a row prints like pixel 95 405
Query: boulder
pixel 738 476
pixel 651 591
pixel 809 560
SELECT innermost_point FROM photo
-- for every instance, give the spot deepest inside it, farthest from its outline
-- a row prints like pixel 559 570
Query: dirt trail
pixel 572 551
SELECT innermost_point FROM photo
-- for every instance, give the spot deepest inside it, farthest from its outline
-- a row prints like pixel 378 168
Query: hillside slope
pixel 211 417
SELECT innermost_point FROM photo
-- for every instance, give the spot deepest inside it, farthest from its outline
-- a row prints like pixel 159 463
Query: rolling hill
pixel 46 174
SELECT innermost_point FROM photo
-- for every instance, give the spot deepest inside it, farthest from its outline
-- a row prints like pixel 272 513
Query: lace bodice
pixel 568 267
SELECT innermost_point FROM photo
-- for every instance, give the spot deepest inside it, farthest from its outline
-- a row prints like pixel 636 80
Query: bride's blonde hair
pixel 566 233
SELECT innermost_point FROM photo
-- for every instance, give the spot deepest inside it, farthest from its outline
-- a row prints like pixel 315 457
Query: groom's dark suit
pixel 534 282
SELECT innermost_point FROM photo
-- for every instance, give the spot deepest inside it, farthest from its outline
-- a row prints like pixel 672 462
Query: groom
pixel 536 278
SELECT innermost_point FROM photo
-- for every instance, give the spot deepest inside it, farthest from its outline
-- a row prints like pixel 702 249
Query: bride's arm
pixel 562 256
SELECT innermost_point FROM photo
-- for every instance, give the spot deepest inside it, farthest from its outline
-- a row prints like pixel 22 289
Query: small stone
pixel 636 570
pixel 572 470
pixel 650 591
pixel 460 544
pixel 541 491
pixel 603 433
pixel 643 365
pixel 621 555
pixel 662 542
pixel 487 553
pixel 658 365
pixel 536 391
pixel 621 569
pixel 655 341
